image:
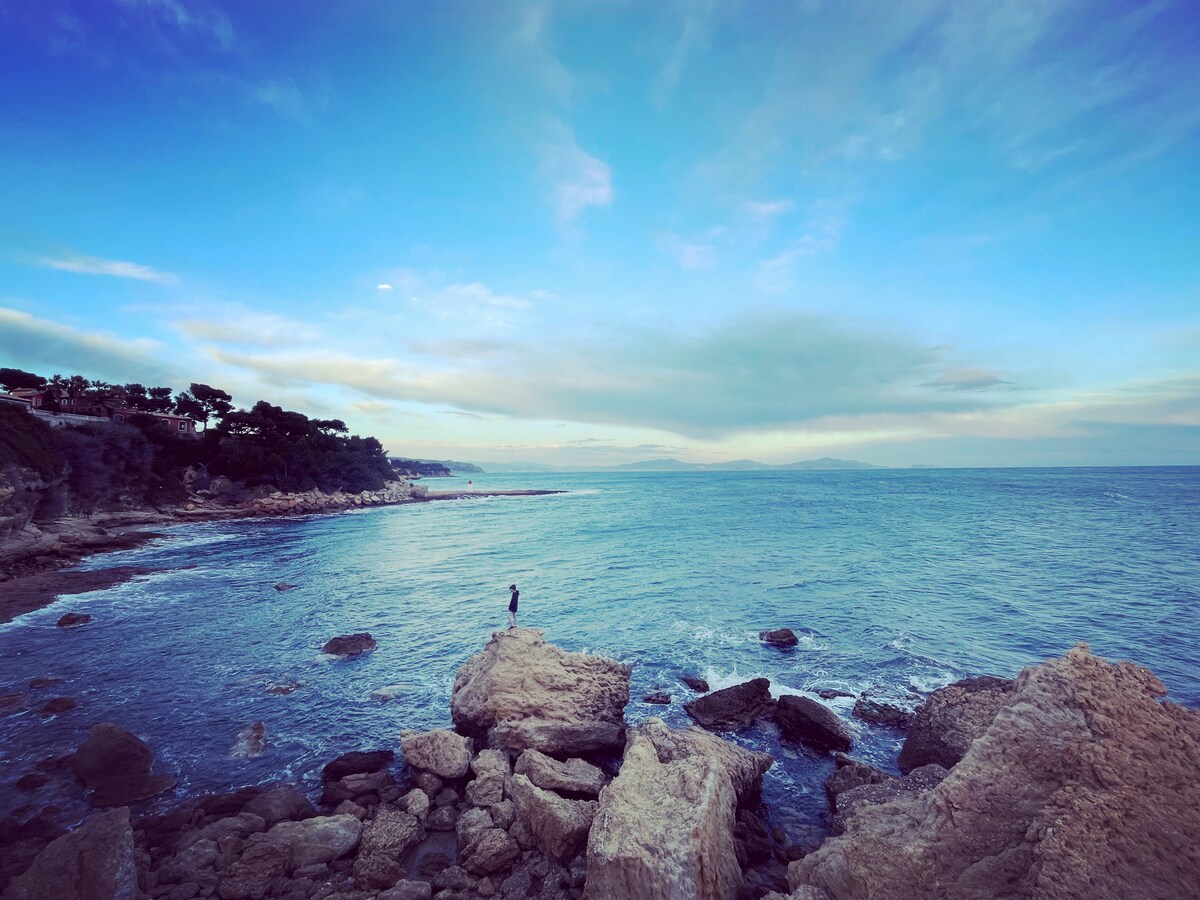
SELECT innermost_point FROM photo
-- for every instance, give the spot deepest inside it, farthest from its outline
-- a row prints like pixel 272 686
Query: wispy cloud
pixel 698 20
pixel 576 179
pixel 969 380
pixel 826 221
pixel 689 254
pixel 195 16
pixel 253 329
pixel 288 101
pixel 764 211
pixel 96 265
pixel 46 347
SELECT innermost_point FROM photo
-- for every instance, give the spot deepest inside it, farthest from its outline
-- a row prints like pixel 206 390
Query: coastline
pixel 42 566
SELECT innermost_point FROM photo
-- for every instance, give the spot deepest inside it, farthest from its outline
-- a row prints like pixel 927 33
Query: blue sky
pixel 957 233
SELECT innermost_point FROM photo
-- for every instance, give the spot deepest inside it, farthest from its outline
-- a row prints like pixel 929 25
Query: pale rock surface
pixel 572 776
pixel 416 803
pixel 664 830
pixel 492 770
pixel 1084 785
pixel 559 826
pixel 385 840
pixel 320 839
pixel 745 767
pixel 521 692
pixel 93 862
pixel 442 752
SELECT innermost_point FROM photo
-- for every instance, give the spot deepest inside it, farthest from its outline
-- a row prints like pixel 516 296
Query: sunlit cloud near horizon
pixel 591 233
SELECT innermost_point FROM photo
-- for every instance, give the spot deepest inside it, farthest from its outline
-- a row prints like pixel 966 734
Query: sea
pixel 896 581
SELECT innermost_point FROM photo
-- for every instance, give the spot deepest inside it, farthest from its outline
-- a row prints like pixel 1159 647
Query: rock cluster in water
pixel 1075 780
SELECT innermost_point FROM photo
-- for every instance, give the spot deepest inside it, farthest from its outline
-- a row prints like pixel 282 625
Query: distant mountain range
pixel 676 465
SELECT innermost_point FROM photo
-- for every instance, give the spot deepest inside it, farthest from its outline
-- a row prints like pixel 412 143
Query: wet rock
pixel 70 620
pixel 385 840
pixel 31 781
pixel 697 684
pixel 661 698
pixel 573 776
pixel 851 773
pixel 58 705
pixel 228 804
pixel 284 586
pixel 521 692
pixel 357 762
pixel 442 752
pixel 809 723
pixel 349 645
pixel 130 789
pixel 880 712
pixel 387 692
pixel 559 826
pixel 283 688
pixel 250 743
pixel 733 707
pixel 11 702
pixel 832 694
pixel 281 803
pixel 44 681
pixel 664 830
pixel 1083 785
pixel 116 765
pixel 944 726
pixel 780 637
pixel 93 862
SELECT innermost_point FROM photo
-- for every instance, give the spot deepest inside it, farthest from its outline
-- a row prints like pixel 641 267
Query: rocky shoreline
pixel 1076 779
pixel 37 557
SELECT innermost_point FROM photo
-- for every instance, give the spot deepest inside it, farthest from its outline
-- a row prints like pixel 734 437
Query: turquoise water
pixel 897 581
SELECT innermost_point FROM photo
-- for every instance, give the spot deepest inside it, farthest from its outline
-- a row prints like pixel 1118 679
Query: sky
pixel 938 232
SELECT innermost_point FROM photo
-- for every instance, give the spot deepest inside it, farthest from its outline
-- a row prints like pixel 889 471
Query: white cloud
pixel 95 265
pixel 384 287
pixel 699 21
pixel 577 179
pixel 48 347
pixel 764 211
pixel 826 222
pixel 689 254
pixel 256 329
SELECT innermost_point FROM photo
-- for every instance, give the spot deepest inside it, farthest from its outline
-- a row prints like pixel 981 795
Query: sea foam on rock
pixel 520 692
pixel 1083 785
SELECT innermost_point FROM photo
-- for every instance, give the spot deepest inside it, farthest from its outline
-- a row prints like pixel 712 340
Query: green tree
pixel 15 379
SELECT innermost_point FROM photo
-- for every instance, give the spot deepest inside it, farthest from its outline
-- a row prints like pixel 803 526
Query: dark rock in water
pixel 250 742
pixel 699 685
pixel 660 697
pixel 43 682
pixel 31 781
pixel 882 790
pixel 349 644
pixel 733 707
pixel 780 637
pixel 110 751
pixel 116 764
pixel 230 804
pixel 282 688
pixel 944 726
pixel 284 586
pixel 832 694
pixel 11 702
pixel 879 712
pixel 58 705
pixel 93 862
pixel 811 724
pixel 72 619
pixel 357 762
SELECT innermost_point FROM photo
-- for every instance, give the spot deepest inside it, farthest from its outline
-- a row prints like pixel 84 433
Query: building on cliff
pixel 59 411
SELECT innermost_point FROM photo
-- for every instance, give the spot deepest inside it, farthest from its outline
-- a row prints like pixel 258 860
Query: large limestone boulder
pixel 574 776
pixel 559 826
pixel 116 765
pixel 384 842
pixel 744 767
pixel 944 726
pixel 734 707
pixel 664 830
pixel 93 862
pixel 520 692
pixel 1084 785
pixel 442 752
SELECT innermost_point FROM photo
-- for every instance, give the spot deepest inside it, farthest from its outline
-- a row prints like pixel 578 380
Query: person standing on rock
pixel 512 606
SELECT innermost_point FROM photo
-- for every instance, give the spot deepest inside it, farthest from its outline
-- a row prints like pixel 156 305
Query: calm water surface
pixel 897 581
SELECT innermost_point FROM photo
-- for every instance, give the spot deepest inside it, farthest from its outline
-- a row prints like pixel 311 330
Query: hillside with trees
pixel 139 462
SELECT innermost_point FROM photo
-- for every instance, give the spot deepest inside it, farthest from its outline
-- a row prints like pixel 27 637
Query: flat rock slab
pixel 734 707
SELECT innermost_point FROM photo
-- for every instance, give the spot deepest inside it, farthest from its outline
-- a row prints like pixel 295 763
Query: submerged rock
pixel 733 707
pixel 250 743
pixel 880 712
pixel 70 620
pixel 357 762
pixel 944 726
pixel 116 765
pixel 811 724
pixel 349 645
pixel 661 698
pixel 697 684
pixel 1083 785
pixel 520 692
pixel 284 586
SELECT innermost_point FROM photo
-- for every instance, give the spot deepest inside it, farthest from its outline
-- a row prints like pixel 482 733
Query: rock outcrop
pixel 116 765
pixel 943 727
pixel 574 776
pixel 559 826
pixel 349 644
pixel 734 707
pixel 744 767
pixel 442 752
pixel 808 722
pixel 521 693
pixel 780 637
pixel 1083 785
pixel 664 830
pixel 93 862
